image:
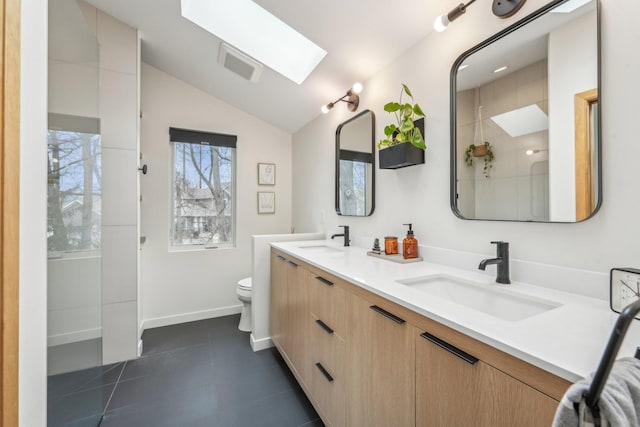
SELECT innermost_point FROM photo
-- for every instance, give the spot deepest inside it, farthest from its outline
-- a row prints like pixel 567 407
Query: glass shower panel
pixel 78 384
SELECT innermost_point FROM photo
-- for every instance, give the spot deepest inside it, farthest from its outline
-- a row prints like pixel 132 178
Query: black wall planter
pixel 402 155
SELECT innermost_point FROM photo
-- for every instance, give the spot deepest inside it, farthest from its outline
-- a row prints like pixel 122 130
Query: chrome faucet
pixel 501 261
pixel 345 234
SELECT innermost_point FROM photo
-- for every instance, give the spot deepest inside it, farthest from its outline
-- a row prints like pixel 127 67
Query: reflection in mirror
pixel 355 178
pixel 531 92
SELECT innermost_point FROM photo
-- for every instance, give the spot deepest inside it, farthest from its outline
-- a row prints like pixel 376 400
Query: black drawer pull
pixel 386 314
pixel 326 374
pixel 292 263
pixel 280 257
pixel 324 326
pixel 451 349
pixel 325 281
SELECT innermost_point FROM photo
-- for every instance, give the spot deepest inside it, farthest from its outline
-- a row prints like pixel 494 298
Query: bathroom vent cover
pixel 241 64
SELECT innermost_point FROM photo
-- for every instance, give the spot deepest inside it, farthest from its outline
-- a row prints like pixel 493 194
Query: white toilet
pixel 245 293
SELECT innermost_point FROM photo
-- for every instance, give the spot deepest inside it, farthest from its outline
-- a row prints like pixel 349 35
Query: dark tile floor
pixel 194 374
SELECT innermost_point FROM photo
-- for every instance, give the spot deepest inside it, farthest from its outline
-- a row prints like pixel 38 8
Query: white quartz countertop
pixel 567 340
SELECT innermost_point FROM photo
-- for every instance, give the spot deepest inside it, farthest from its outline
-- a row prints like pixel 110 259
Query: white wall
pixel 33 215
pixel 420 194
pixel 571 46
pixel 187 285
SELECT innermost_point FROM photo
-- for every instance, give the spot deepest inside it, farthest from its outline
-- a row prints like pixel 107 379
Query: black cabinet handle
pixel 280 257
pixel 324 326
pixel 326 374
pixel 451 349
pixel 292 263
pixel 386 314
pixel 325 281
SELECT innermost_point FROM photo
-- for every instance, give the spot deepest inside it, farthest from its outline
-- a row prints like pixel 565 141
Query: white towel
pixel 619 402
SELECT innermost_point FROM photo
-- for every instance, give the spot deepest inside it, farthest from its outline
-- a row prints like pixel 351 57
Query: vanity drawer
pixel 327 302
pixel 327 378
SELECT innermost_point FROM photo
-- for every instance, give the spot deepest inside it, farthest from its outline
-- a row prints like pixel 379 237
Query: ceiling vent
pixel 241 64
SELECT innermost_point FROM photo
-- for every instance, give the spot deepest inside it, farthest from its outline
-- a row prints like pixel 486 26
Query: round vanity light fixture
pixel 351 98
pixel 506 8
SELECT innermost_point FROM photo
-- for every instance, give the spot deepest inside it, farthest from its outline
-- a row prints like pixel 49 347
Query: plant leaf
pixel 390 129
pixel 418 141
pixel 406 125
pixel 418 110
pixel 406 90
pixel 407 110
pixel 391 107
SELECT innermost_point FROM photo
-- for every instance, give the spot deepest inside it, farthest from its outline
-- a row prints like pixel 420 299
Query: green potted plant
pixel 484 150
pixel 403 144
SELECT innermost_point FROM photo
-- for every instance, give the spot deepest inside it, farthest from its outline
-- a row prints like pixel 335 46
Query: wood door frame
pixel 9 208
pixel 584 162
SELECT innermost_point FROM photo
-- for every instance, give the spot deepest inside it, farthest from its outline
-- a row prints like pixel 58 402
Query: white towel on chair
pixel 619 402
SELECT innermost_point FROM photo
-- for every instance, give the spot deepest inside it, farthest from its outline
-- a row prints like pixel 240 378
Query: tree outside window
pixel 203 196
pixel 74 186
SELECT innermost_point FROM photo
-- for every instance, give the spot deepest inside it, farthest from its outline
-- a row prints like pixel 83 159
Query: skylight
pixel 522 121
pixel 259 34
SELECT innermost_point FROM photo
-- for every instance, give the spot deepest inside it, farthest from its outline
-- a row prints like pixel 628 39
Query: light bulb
pixel 441 22
pixel 530 152
pixel 325 108
pixel 357 87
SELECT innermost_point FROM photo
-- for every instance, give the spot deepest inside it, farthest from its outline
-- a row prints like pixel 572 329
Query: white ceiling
pixel 360 36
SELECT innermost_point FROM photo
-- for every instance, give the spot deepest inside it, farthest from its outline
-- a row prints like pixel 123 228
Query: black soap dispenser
pixel 410 245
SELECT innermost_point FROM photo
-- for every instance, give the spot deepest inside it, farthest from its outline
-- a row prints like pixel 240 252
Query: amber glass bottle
pixel 410 245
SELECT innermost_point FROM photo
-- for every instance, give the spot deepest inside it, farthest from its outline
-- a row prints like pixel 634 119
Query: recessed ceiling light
pixel 497 70
pixel 259 34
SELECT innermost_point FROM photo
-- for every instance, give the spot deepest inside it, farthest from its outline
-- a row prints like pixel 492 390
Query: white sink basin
pixel 495 301
pixel 320 249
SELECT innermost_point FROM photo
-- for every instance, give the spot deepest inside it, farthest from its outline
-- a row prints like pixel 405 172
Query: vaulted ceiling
pixel 360 36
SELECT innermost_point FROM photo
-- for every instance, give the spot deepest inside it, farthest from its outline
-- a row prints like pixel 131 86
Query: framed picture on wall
pixel 266 174
pixel 266 202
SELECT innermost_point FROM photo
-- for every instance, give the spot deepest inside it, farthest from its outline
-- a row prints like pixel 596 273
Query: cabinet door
pixel 381 362
pixel 278 304
pixel 455 389
pixel 509 402
pixel 448 391
pixel 298 318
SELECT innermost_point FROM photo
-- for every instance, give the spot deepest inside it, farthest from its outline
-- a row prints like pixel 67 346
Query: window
pixel 203 211
pixel 74 184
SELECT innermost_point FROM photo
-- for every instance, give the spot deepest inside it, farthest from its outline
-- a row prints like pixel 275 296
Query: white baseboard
pixel 261 344
pixel 69 337
pixel 190 317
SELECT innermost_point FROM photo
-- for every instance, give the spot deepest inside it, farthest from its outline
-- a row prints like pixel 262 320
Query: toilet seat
pixel 245 284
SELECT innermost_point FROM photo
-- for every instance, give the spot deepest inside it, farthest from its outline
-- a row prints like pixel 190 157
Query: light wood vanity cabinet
pixel 381 366
pixel 453 388
pixel 278 305
pixel 364 360
pixel 290 311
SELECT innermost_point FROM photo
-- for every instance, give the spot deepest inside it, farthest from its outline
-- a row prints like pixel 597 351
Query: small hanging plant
pixel 484 150
pixel 404 130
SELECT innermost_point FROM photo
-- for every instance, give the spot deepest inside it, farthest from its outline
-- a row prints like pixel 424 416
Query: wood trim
pixel 585 185
pixel 9 208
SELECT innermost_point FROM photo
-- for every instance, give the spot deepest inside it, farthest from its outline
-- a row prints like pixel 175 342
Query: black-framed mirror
pixel 532 93
pixel 355 165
